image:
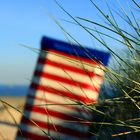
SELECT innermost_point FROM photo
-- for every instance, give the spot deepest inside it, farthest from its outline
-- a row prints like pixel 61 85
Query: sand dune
pixel 9 117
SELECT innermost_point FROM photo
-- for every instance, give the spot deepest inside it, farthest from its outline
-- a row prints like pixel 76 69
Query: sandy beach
pixel 9 117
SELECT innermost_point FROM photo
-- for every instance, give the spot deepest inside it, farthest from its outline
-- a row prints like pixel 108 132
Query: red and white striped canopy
pixel 67 78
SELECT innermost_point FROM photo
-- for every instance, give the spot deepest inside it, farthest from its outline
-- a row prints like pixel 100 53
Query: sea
pixel 15 90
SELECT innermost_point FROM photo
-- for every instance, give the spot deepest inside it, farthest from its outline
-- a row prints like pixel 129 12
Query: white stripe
pixel 95 81
pixel 76 111
pixel 38 131
pixel 66 87
pixel 52 97
pixel 98 69
pixel 56 121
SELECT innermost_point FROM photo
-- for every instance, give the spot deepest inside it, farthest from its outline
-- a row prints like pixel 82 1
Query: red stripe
pixel 65 80
pixel 56 128
pixel 82 59
pixel 66 94
pixel 55 114
pixel 51 102
pixel 33 136
pixel 67 67
pixel 72 107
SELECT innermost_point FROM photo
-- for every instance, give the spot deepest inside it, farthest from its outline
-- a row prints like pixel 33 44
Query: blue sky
pixel 26 21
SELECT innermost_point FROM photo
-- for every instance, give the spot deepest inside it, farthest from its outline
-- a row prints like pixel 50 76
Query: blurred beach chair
pixel 66 80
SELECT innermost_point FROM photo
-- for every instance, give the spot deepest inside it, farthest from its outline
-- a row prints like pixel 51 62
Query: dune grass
pixel 117 112
pixel 119 116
